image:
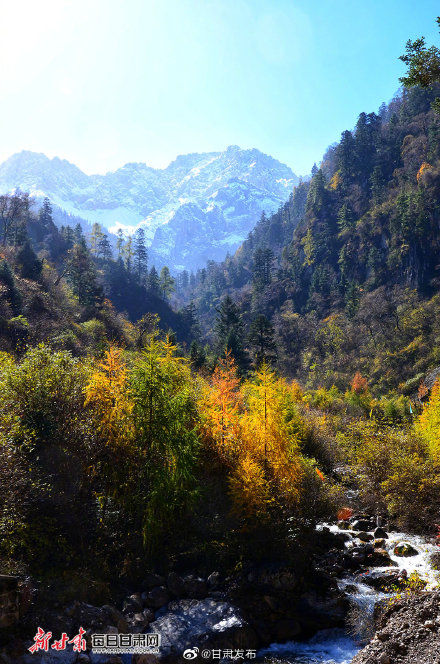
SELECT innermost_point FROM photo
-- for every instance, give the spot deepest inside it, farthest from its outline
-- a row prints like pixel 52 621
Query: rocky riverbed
pixel 375 567
pixel 275 609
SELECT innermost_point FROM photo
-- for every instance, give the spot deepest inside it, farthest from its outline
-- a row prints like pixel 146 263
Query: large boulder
pixel 380 533
pixel 206 623
pixel 88 615
pixel 405 550
pixel 152 580
pixel 132 604
pixel 278 577
pixel 365 537
pixel 380 558
pixel 384 580
pixel 316 612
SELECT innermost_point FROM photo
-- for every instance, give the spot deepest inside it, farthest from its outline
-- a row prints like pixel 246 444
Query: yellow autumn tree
pixel 220 410
pixel 428 424
pixel 108 397
pixel 296 391
pixel 335 181
pixel 250 489
pixel 423 168
pixel 107 394
pixel 268 442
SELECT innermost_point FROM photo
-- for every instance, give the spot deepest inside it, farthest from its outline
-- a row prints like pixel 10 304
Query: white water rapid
pixel 337 646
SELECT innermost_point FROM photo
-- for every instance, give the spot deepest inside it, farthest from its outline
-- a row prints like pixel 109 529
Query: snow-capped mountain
pixel 200 207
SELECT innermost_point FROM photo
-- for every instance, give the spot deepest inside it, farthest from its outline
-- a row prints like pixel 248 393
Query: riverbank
pixel 408 632
pixel 405 567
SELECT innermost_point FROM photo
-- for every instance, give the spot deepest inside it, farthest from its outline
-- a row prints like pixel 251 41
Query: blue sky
pixel 105 82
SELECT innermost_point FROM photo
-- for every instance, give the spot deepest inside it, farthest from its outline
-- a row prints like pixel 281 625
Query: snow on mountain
pixel 200 207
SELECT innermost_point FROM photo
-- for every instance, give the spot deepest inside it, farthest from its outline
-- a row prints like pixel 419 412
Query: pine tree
pixel 14 215
pixel 96 236
pixel 197 355
pixel 185 279
pixel 45 214
pixel 345 218
pixel 229 332
pixel 345 156
pixel 8 279
pixel 308 243
pixel 377 184
pixel 128 254
pixel 192 321
pixel 104 249
pixel 140 255
pixel 262 268
pixel 68 235
pixel 30 265
pixel 82 275
pixel 352 299
pixel 120 242
pixel 261 340
pixel 317 194
pixel 166 283
pixel 423 66
pixel 153 281
pixel 79 235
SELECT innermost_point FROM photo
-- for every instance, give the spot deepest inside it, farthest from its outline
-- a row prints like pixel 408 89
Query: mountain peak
pixel 200 206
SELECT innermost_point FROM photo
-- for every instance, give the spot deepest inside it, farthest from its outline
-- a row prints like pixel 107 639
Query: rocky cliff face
pixel 200 207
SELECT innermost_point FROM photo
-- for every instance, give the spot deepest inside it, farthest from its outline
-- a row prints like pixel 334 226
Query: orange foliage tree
pixel 253 431
pixel 269 451
pixel 221 406
pixel 423 168
pixel 359 384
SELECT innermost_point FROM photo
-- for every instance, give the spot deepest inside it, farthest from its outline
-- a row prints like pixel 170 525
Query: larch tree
pixel 221 406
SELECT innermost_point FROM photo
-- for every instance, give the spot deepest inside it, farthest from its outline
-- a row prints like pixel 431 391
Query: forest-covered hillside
pixel 63 287
pixel 346 273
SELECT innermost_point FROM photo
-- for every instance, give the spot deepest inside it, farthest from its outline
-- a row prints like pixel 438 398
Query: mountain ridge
pixel 228 192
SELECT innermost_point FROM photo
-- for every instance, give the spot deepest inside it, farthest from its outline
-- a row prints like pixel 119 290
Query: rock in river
pixel 405 549
pixel 206 623
pixel 380 533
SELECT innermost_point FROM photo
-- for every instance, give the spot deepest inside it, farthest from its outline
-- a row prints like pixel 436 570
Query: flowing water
pixel 337 646
pixel 333 646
